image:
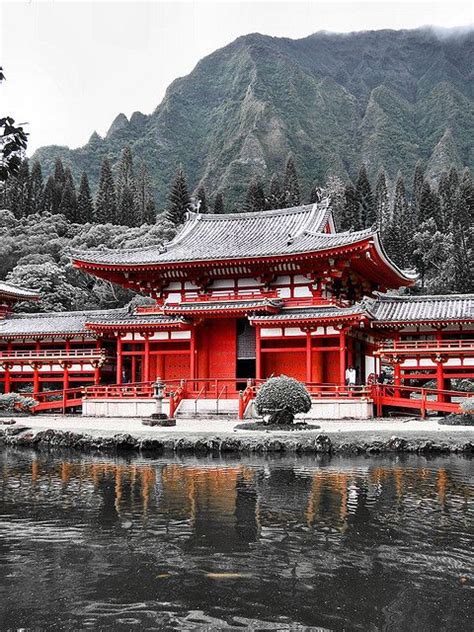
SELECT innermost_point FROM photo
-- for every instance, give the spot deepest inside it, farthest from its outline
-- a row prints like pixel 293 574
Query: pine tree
pixel 334 189
pixel 382 204
pixel 350 212
pixel 18 191
pixel 202 200
pixel 126 206
pixel 316 194
pixel 59 173
pixel 36 188
pixel 48 203
pixel 106 201
pixel 365 200
pixel 144 202
pixel 417 186
pixel 219 206
pixel 179 200
pixel 454 180
pixel 446 201
pixel 403 226
pixel 291 187
pixel 255 200
pixel 85 206
pixel 68 206
pixel 463 209
pixel 429 206
pixel 275 196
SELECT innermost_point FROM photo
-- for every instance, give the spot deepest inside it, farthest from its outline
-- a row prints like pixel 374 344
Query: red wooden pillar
pixel 96 375
pixel 119 360
pixel 7 378
pixel 309 357
pixel 146 358
pixel 440 382
pixel 36 380
pixel 342 357
pixel 192 354
pixel 133 377
pixel 397 375
pixel 66 366
pixel 258 354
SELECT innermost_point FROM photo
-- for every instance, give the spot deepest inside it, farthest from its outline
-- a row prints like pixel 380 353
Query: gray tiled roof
pixel 237 235
pixel 6 289
pixel 58 323
pixel 454 307
pixel 127 318
pixel 251 304
pixel 312 312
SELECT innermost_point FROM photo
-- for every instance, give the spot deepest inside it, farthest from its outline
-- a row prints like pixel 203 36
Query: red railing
pixel 59 399
pixel 418 398
pixel 120 391
pixel 409 346
pixel 52 353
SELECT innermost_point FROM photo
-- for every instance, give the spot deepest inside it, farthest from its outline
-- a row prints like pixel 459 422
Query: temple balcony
pixel 413 348
pixel 53 356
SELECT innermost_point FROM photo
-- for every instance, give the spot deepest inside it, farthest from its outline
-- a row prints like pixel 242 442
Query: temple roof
pixel 316 312
pixel 236 236
pixel 249 305
pixel 56 323
pixel 135 320
pixel 428 308
pixel 15 291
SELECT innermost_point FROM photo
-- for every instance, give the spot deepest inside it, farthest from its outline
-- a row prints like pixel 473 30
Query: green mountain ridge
pixel 379 97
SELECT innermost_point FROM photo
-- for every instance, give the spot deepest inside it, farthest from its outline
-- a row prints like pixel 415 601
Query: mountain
pixel 382 97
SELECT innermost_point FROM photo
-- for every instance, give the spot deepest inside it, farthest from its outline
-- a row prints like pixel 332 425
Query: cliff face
pixel 382 97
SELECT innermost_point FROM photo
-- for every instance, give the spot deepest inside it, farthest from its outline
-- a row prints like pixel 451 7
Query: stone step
pixel 188 414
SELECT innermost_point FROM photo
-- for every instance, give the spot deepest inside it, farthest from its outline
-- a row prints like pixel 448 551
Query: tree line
pixel 126 200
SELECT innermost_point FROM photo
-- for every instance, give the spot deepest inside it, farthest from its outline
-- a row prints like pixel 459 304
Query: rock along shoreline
pixel 304 443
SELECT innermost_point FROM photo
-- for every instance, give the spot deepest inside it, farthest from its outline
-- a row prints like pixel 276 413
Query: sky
pixel 71 67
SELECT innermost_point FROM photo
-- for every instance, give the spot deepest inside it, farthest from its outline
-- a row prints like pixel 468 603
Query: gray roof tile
pixel 58 323
pixel 454 307
pixel 15 291
pixel 312 312
pixel 251 304
pixel 237 235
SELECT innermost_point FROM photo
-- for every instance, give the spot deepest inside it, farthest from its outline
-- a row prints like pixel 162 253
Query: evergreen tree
pixel 179 200
pixel 429 206
pixel 365 200
pixel 18 191
pixel 59 173
pixel 48 203
pixel 202 200
pixel 106 201
pixel 85 206
pixel 275 196
pixel 382 204
pixel 334 189
pixel 68 206
pixel 291 186
pixel 219 206
pixel 463 208
pixel 349 218
pixel 255 200
pixel 445 199
pixel 68 179
pixel 36 188
pixel 454 180
pixel 417 186
pixel 403 227
pixel 144 202
pixel 126 206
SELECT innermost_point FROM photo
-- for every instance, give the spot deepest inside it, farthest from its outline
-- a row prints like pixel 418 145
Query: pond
pixel 136 543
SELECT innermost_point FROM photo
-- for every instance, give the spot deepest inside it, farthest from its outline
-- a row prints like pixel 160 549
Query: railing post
pixel 241 405
pixel 423 403
pixel 171 413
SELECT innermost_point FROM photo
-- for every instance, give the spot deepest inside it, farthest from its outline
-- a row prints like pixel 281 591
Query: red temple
pixel 246 296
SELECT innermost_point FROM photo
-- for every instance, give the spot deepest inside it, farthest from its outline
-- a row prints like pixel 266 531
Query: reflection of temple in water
pixel 224 506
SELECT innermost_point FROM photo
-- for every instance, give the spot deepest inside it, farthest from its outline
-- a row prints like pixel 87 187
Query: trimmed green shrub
pixel 281 398
pixel 465 418
pixel 14 403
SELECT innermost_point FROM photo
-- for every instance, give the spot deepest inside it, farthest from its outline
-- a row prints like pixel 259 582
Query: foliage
pixel 13 141
pixel 467 405
pixel 291 186
pixel 466 418
pixel 282 393
pixel 365 200
pixel 13 402
pixel 255 200
pixel 179 200
pixel 106 201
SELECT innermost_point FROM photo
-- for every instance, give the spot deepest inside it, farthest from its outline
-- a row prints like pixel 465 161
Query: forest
pixel 43 221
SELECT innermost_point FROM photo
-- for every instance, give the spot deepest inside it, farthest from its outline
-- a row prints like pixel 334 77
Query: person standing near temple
pixel 351 376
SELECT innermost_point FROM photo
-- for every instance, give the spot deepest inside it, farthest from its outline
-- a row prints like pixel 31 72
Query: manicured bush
pixel 14 403
pixel 281 398
pixel 465 418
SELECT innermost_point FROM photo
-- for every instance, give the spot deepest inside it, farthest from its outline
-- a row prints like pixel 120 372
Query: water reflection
pixel 193 543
